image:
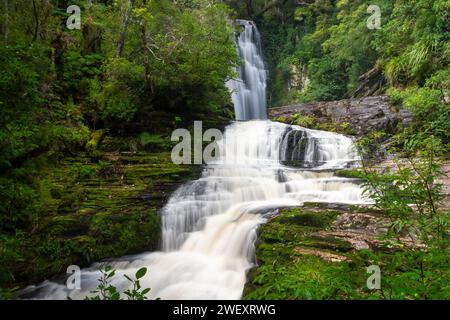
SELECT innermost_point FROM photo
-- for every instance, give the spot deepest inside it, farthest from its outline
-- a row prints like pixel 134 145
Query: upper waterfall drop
pixel 249 89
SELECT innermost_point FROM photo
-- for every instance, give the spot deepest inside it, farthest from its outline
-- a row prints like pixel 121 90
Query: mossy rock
pixel 328 243
pixel 130 231
pixel 309 218
pixel 98 217
pixel 64 226
pixel 119 144
pixel 350 173
pixel 94 140
pixel 285 272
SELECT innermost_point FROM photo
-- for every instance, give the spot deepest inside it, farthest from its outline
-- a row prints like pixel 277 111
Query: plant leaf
pixel 141 272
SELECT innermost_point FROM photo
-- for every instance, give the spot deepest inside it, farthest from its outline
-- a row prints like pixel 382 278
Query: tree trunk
pixel 92 37
pixel 5 23
pixel 36 21
pixel 58 45
pixel 146 52
pixel 249 6
pixel 123 30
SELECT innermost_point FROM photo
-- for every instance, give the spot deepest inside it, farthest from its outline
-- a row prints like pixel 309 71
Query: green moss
pixel 303 217
pixel 327 243
pixel 350 173
pixel 292 262
pixel 284 273
pixel 306 277
pixel 89 217
pixel 94 141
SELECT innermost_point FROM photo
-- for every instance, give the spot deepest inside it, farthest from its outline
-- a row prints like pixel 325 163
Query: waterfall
pixel 209 225
pixel 251 172
pixel 249 89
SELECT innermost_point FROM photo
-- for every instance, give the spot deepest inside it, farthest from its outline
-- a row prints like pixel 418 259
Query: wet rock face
pixel 293 154
pixel 361 116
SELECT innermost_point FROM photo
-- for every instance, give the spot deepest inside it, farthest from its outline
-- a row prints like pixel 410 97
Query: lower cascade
pixel 209 226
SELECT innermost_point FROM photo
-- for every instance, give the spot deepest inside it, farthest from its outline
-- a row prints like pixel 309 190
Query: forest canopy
pixel 56 82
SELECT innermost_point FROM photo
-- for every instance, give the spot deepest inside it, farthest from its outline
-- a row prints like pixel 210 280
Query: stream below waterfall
pixel 209 226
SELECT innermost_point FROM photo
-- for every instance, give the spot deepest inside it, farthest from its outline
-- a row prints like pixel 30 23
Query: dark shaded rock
pixel 145 196
pixel 370 83
pixel 294 150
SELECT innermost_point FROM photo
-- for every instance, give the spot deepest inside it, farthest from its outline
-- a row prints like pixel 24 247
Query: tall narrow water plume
pixel 249 89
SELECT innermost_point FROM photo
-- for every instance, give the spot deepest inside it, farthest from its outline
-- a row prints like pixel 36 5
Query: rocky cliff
pixel 352 116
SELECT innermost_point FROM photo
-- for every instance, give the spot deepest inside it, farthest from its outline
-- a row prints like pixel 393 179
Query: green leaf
pixel 145 291
pixel 111 274
pixel 141 272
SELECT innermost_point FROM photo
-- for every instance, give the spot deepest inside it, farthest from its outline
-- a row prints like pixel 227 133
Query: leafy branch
pixel 106 291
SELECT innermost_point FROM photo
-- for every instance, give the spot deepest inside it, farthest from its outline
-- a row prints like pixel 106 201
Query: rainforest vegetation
pixel 86 111
pixel 69 98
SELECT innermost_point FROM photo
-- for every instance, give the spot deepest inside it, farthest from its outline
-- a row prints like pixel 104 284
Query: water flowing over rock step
pixel 209 225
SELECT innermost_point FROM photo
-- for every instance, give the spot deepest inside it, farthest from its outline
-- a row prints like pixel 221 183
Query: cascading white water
pixel 209 225
pixel 249 89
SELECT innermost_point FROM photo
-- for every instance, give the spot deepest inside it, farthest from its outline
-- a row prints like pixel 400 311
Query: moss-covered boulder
pixel 300 256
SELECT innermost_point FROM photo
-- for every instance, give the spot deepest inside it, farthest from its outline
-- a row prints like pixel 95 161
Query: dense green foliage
pixel 301 277
pixel 410 195
pixel 69 98
pixel 57 83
